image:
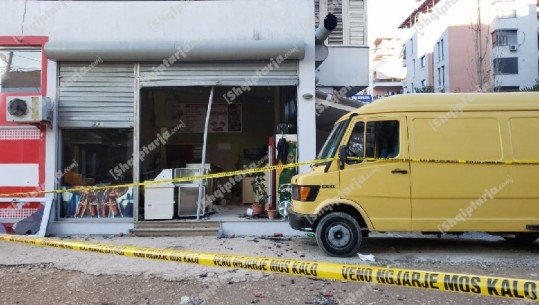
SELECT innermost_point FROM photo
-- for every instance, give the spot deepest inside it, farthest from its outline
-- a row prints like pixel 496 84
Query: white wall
pixel 344 66
pixel 411 81
pixel 418 45
pixel 155 21
pixel 424 48
pixel 440 59
pixel 306 107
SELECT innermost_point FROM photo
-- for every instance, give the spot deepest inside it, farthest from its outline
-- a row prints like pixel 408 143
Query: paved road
pixel 32 275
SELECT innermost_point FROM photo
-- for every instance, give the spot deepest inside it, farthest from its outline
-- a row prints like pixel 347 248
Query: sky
pixel 384 16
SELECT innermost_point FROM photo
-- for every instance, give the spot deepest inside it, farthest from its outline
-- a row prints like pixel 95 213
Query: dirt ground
pixel 35 275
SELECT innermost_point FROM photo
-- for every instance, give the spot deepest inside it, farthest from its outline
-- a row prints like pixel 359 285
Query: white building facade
pixel 515 48
pixel 129 84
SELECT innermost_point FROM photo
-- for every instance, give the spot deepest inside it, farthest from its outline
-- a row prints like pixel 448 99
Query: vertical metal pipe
pixel 136 140
pixel 204 145
pixel 479 47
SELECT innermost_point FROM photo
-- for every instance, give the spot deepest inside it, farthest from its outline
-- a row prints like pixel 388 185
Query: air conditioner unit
pixel 513 48
pixel 28 109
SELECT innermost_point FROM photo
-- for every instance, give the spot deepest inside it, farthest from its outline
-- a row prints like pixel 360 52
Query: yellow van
pixel 432 163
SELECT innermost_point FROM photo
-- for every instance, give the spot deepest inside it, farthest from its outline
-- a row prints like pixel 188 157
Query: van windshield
pixel 332 143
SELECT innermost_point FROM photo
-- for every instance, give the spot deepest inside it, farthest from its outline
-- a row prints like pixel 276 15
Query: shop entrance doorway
pixel 171 135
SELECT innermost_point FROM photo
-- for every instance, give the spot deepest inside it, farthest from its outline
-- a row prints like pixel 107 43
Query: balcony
pixel 504 23
pixel 385 84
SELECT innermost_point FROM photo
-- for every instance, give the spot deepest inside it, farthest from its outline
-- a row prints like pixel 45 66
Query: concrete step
pixel 175 232
pixel 176 224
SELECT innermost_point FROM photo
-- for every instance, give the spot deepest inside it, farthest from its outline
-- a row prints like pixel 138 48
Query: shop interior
pixel 172 121
pixel 96 157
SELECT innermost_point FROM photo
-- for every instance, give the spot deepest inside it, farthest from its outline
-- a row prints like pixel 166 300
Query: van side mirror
pixel 343 156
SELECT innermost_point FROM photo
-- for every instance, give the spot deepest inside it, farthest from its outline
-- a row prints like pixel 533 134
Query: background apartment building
pixel 515 45
pixel 468 46
pixel 387 72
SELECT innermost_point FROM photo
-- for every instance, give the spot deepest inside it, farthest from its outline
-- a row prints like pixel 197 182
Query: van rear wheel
pixel 339 234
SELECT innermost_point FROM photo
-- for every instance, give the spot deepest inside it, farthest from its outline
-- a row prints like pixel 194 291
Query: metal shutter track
pixel 220 73
pixel 101 97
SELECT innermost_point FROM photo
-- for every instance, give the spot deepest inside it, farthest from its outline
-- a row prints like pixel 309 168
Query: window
pixel 424 83
pixel 382 139
pixel 438 50
pixel 443 77
pixel 423 61
pixel 404 53
pixel 379 140
pixel 20 70
pixel 97 157
pixel 507 89
pixel 504 38
pixel 334 140
pixel 442 49
pixel 501 40
pixel 356 143
pixel 506 65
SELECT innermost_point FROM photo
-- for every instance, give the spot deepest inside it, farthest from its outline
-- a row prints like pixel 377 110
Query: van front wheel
pixel 339 234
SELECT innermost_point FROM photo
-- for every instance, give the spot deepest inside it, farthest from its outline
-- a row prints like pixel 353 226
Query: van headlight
pixel 305 192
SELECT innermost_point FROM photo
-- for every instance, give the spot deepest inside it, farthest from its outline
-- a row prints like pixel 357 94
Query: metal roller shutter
pixel 252 73
pixel 357 22
pixel 336 36
pixel 96 96
pixel 316 12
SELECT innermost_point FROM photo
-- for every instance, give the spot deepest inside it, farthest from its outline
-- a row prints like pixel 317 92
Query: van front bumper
pixel 300 222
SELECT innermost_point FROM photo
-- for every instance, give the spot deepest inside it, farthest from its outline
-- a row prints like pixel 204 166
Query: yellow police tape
pixel 440 281
pixel 262 169
pixel 181 179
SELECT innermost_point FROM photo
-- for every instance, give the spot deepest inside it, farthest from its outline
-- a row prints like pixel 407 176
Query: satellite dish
pixel 17 107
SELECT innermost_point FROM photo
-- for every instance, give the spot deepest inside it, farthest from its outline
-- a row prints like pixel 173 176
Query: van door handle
pixel 399 171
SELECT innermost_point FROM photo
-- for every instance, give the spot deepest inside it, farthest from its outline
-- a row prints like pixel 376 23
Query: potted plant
pixel 258 183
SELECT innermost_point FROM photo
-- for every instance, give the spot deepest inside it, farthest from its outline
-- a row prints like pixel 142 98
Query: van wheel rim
pixel 339 236
pixel 283 208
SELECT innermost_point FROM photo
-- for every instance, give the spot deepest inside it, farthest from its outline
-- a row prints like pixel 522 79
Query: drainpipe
pixel 323 31
pixel 320 35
